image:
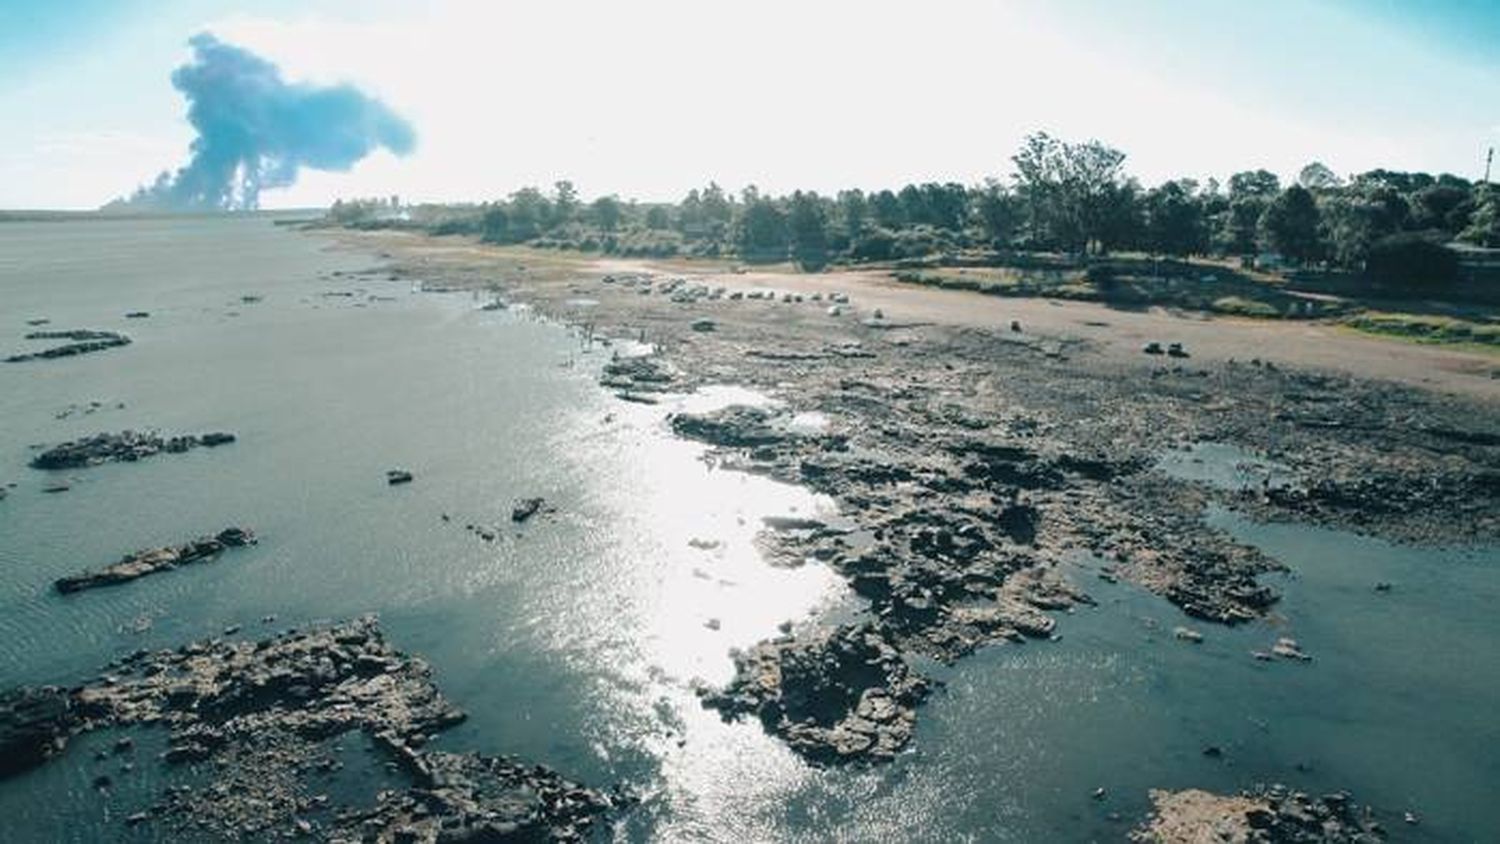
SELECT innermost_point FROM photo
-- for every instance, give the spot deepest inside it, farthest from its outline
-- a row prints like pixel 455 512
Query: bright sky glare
pixel 649 99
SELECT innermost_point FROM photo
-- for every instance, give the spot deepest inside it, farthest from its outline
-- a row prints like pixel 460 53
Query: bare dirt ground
pixel 1112 332
pixel 983 466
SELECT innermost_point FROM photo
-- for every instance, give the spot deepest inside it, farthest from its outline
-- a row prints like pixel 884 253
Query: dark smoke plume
pixel 255 131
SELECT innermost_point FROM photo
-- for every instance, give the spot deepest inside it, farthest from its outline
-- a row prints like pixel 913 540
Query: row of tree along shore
pixel 1063 197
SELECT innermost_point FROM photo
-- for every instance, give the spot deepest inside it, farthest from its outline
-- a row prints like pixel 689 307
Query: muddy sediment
pixel 984 468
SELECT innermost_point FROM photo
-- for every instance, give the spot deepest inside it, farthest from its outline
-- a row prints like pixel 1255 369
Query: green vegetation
pixel 1429 328
pixel 1065 207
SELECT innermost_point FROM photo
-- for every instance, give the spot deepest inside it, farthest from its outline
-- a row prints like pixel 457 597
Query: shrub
pixel 1411 260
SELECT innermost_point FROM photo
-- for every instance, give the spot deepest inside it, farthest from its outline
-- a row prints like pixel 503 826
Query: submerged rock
pixel 34 726
pixel 142 563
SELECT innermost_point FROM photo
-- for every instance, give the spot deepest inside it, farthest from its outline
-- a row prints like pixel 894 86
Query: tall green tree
pixel 807 225
pixel 761 232
pixel 1174 219
pixel 606 212
pixel 564 203
pixel 995 209
pixel 1290 225
pixel 885 207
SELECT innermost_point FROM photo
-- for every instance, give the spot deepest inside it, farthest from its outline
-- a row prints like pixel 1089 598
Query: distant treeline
pixel 1073 198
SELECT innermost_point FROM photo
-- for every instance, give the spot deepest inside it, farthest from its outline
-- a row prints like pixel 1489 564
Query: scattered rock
pixel 397 476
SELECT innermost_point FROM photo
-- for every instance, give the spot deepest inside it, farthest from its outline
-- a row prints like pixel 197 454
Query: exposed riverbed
pixel 574 639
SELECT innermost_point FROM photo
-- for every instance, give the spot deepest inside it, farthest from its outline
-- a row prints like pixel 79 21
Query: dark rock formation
pixel 525 508
pixel 834 696
pixel 84 342
pixel 142 563
pixel 736 426
pixel 126 446
pixel 397 476
pixel 261 712
pixel 638 374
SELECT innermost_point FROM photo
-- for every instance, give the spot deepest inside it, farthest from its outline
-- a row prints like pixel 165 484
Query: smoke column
pixel 256 131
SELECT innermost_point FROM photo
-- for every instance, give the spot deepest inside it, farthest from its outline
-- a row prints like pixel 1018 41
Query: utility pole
pixel 1488 160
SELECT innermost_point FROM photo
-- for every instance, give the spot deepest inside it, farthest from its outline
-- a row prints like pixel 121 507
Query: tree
pixel 1174 219
pixel 494 225
pixel 807 226
pixel 1250 192
pixel 761 234
pixel 995 209
pixel 854 210
pixel 886 208
pixel 658 218
pixel 564 203
pixel 1318 176
pixel 1484 223
pixel 1289 225
pixel 606 211
pixel 1440 206
pixel 1071 191
pixel 718 210
pixel 1356 218
pixel 530 214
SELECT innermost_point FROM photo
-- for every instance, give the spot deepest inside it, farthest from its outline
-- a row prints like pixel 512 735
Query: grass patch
pixel 1240 306
pixel 1429 328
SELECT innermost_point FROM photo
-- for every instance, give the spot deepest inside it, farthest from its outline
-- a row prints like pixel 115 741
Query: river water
pixel 573 641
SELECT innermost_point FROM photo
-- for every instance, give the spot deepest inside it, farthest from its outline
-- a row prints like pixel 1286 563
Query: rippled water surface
pixel 574 639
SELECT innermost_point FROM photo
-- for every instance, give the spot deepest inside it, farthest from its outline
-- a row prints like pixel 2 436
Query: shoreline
pixel 976 460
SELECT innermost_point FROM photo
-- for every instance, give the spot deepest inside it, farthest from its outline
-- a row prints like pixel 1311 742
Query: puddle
pixel 1224 466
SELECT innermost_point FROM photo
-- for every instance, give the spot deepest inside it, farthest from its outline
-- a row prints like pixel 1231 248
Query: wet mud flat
pixel 973 462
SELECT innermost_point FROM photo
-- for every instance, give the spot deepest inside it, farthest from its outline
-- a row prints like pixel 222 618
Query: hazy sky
pixel 647 99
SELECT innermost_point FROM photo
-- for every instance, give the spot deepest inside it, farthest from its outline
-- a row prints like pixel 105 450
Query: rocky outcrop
pixel 34 726
pixel 142 563
pixel 834 695
pixel 262 711
pixel 126 446
pixel 526 508
pixel 84 342
pixel 736 426
pixel 646 373
pixel 1268 814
